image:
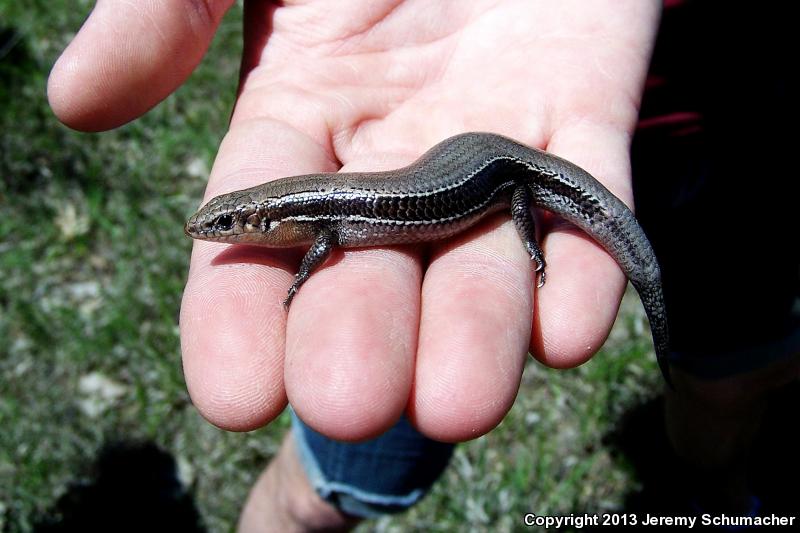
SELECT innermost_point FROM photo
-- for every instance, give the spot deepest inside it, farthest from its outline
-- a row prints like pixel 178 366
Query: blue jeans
pixel 387 474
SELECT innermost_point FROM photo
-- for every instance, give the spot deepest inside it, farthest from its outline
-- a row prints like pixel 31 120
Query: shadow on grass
pixel 774 465
pixel 133 487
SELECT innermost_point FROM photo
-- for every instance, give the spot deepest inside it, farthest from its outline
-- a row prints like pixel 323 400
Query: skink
pixel 450 188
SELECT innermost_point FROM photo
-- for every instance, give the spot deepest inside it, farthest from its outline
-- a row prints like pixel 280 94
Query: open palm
pixel 440 333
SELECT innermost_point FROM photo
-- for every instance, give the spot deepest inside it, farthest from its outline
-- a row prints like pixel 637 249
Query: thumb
pixel 127 57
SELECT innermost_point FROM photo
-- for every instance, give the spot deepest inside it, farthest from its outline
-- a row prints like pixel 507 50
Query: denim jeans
pixel 387 474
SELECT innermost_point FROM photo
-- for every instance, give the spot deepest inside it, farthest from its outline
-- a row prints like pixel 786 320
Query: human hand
pixel 370 85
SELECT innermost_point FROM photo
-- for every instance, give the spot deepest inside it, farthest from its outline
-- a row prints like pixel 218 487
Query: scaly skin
pixel 447 190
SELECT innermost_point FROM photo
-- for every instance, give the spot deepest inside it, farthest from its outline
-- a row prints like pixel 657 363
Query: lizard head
pixel 237 217
pixel 227 218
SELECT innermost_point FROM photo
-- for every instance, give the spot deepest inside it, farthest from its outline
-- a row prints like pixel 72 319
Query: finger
pixel 476 316
pixel 127 57
pixel 577 306
pixel 232 320
pixel 352 336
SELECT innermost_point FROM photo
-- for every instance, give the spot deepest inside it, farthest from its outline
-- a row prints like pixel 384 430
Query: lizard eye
pixel 224 222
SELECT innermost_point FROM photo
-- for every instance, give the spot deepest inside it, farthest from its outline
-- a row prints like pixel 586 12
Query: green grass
pixel 93 262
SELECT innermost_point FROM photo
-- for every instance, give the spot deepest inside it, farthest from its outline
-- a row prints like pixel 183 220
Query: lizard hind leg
pixel 523 220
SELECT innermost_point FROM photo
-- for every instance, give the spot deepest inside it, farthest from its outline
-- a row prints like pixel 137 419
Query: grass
pixel 89 299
